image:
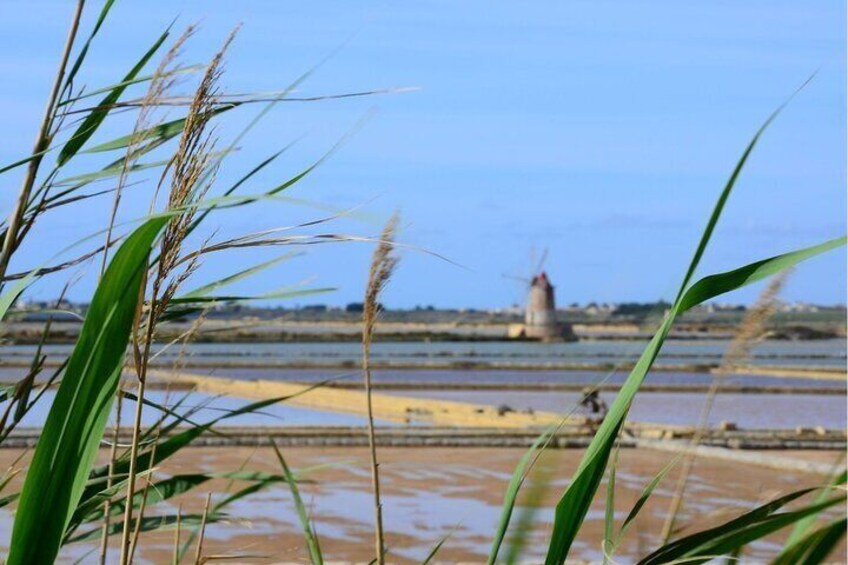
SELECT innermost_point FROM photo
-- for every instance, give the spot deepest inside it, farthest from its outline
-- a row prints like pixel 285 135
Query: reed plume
pixel 192 174
pixel 162 81
pixel 383 265
pixel 747 335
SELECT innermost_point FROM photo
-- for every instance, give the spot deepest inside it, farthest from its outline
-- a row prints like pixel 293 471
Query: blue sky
pixel 602 131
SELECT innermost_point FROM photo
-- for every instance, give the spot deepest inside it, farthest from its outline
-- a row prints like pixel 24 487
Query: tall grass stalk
pixel 383 264
pixel 113 453
pixel 175 559
pixel 750 329
pixel 189 183
pixel 198 554
pixel 162 80
pixel 42 142
pixel 148 480
pixel 160 83
pixel 65 498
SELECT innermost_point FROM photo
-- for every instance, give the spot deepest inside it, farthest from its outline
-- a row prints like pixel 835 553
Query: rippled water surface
pixel 825 353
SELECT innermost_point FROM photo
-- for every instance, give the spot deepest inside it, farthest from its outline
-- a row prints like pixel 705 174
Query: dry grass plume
pixel 746 337
pixel 191 175
pixel 383 265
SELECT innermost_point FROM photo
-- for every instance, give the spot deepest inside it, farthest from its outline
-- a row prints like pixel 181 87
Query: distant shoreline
pixel 804 372
pixel 342 332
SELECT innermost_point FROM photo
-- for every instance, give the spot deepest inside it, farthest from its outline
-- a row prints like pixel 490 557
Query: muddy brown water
pixel 432 492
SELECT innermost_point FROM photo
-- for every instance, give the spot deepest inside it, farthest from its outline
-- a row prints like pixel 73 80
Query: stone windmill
pixel 540 315
pixel 540 320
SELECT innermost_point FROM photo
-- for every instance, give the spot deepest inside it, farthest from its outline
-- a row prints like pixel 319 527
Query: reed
pixel 144 267
pixel 136 292
pixel 383 265
pixel 738 351
pixel 190 170
pixel 12 236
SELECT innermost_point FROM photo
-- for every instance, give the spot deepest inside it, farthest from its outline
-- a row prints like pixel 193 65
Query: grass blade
pixel 171 445
pixel 69 80
pixel 512 489
pixel 309 534
pixel 77 419
pixel 609 511
pixel 148 524
pixel 138 80
pixel 213 286
pixel 802 527
pixel 105 173
pixel 574 504
pixel 93 120
pixel 436 548
pixel 157 134
pixel 814 547
pixel 721 540
pixel 722 283
pixel 643 498
pixel 520 534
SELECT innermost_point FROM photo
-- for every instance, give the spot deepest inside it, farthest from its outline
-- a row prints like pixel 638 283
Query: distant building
pixel 799 308
pixel 540 315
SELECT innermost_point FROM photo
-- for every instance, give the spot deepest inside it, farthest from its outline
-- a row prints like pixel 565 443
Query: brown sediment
pixel 429 492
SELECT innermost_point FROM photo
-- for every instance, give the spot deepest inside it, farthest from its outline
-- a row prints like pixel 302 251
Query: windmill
pixel 526 280
pixel 540 307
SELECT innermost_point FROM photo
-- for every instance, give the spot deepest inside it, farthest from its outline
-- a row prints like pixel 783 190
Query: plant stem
pixel 148 480
pixel 199 553
pixel 375 465
pixel 739 349
pixel 42 141
pixel 141 367
pixel 113 452
pixel 175 560
pixel 382 266
pixel 136 439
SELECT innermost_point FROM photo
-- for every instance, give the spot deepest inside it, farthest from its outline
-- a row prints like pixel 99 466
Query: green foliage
pixel 575 502
pixel 74 427
pixel 813 547
pixel 95 118
pixel 705 545
pixel 312 545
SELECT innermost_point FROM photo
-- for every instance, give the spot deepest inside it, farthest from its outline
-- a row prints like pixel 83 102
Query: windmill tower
pixel 540 312
pixel 540 315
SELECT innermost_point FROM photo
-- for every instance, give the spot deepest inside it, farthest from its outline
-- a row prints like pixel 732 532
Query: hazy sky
pixel 602 131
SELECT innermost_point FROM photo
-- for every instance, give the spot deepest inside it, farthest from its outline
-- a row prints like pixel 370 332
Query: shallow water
pixel 760 411
pixel 210 407
pixel 824 353
pixel 430 493
pixel 748 411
